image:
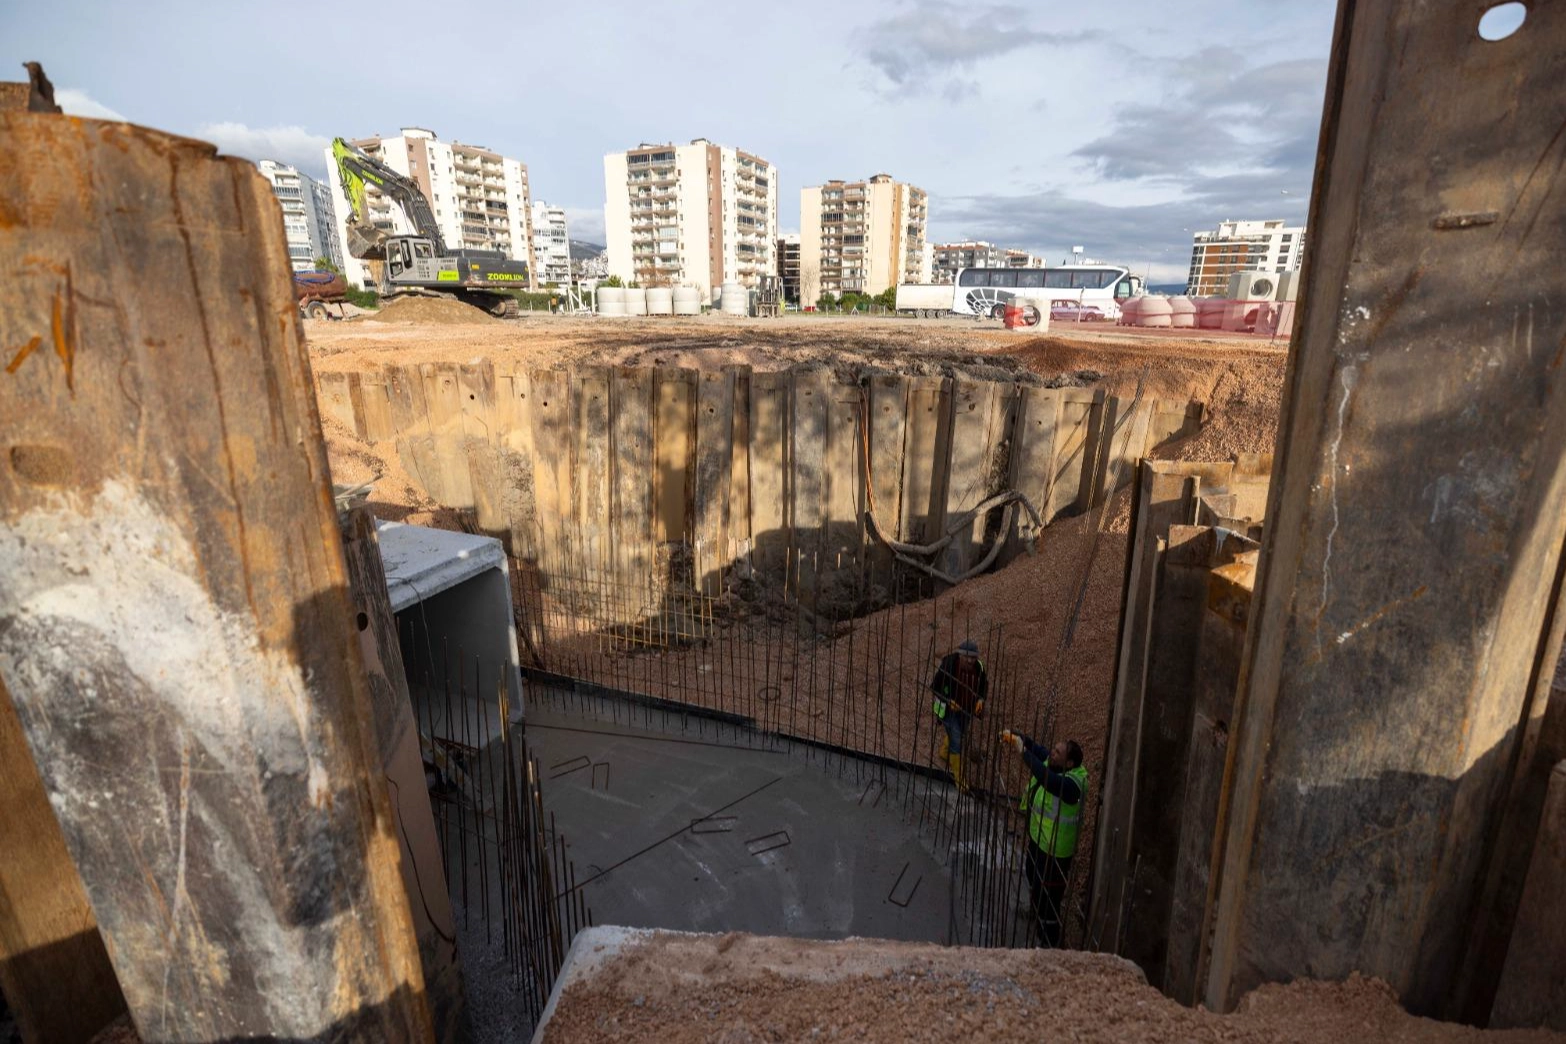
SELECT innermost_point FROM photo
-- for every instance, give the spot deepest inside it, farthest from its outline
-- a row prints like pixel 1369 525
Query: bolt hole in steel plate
pixel 1502 20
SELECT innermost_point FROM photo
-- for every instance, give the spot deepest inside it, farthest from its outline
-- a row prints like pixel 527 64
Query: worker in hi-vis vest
pixel 960 686
pixel 1053 800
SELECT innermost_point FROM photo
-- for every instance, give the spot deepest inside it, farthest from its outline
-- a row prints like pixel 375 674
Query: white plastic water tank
pixel 733 299
pixel 635 301
pixel 660 300
pixel 611 300
pixel 1182 313
pixel 1154 311
pixel 687 300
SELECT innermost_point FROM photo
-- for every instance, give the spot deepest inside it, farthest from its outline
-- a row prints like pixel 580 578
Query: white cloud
pixel 293 145
pixel 915 48
pixel 77 102
pixel 585 223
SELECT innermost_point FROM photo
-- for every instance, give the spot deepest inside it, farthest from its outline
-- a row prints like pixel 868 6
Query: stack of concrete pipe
pixel 734 299
pixel 660 300
pixel 611 300
pixel 686 300
pixel 635 301
pixel 1182 313
pixel 1129 309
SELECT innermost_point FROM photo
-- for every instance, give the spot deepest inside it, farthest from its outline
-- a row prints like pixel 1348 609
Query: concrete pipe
pixel 660 300
pixel 733 299
pixel 686 300
pixel 611 300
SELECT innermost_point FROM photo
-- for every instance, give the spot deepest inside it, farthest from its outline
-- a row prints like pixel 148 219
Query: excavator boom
pixel 357 169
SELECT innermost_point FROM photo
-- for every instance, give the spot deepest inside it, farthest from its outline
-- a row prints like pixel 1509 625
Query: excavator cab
pixel 412 259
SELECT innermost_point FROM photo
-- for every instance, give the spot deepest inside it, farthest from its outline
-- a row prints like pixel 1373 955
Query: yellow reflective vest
pixel 1053 826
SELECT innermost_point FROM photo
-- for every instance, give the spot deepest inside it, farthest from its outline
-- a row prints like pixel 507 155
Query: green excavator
pixel 419 263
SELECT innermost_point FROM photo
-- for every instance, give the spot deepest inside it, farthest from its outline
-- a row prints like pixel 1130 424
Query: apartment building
pixel 307 215
pixel 1237 246
pixel 595 267
pixel 951 258
pixel 480 198
pixel 551 244
pixel 788 266
pixel 690 215
pixel 861 237
pixel 1021 259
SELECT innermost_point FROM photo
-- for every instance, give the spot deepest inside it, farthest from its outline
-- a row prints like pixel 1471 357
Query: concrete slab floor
pixel 793 846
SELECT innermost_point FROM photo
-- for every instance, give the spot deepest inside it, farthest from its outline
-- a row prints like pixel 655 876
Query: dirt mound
pixel 439 311
pixel 676 987
pixel 1241 384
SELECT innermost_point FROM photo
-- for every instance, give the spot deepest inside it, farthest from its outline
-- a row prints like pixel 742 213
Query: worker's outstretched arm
pixel 1036 758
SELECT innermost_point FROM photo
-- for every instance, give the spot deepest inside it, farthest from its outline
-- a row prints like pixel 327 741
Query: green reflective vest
pixel 1051 825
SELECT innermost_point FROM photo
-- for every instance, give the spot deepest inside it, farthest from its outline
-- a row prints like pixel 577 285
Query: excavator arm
pixel 357 169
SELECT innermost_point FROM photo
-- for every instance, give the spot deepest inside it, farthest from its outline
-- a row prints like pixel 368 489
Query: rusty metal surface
pixel 1414 522
pixel 175 630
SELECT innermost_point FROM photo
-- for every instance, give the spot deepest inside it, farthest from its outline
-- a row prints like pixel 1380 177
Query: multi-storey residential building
pixel 594 267
pixel 788 266
pixel 951 258
pixel 307 216
pixel 480 198
pixel 1021 259
pixel 861 237
pixel 694 215
pixel 551 244
pixel 1237 246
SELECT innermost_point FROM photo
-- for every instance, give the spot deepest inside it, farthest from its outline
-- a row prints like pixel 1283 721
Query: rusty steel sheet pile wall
pixel 1388 767
pixel 176 634
pixel 626 476
pixel 1182 624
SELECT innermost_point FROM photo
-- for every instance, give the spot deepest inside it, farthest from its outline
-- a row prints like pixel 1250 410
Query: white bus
pixel 1073 291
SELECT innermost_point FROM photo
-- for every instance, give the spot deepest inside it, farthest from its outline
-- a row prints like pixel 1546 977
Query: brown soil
pixel 1027 602
pixel 761 670
pixel 739 988
pixel 850 346
pixel 430 311
pixel 865 687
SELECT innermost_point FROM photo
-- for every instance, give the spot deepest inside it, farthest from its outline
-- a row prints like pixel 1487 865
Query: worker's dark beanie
pixel 969 646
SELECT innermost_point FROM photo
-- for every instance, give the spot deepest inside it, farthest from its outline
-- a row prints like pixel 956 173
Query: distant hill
pixel 581 250
pixel 1172 289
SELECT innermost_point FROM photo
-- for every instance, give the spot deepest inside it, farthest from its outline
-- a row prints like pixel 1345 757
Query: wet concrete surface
pixel 716 828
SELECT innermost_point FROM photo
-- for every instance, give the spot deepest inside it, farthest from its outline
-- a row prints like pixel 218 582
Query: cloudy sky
pixel 1042 124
